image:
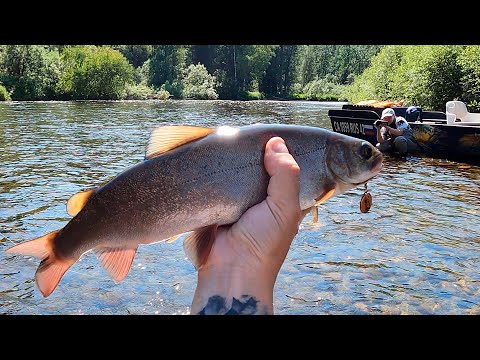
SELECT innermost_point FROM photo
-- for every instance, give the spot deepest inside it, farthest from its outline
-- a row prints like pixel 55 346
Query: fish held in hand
pixel 193 179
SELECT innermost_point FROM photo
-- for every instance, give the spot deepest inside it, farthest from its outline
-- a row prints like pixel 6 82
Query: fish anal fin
pixel 197 245
pixel 117 261
pixel 78 201
pixel 49 273
pixel 324 197
pixel 169 137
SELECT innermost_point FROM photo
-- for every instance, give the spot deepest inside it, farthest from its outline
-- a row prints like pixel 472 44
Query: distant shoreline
pixel 167 100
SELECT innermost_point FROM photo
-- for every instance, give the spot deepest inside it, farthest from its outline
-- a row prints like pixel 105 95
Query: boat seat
pixel 457 112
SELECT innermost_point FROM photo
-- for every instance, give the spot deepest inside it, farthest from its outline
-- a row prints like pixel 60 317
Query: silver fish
pixel 193 179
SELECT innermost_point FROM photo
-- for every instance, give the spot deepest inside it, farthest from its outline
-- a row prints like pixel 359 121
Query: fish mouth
pixel 375 168
pixel 377 164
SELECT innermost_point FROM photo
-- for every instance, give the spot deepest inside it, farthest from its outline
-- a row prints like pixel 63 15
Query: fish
pixel 424 133
pixel 193 180
pixel 470 140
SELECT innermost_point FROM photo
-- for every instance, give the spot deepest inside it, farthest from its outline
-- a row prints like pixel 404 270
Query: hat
pixel 388 112
pixel 413 113
pixel 412 109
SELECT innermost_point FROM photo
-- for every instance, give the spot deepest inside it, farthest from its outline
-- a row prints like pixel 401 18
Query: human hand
pixel 241 269
pixel 378 124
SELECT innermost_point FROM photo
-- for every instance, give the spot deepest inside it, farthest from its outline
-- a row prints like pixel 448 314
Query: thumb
pixel 284 186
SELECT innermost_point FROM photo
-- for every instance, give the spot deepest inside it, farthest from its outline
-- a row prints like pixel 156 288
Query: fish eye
pixel 366 150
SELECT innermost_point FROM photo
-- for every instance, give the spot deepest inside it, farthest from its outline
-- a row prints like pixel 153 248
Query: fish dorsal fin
pixel 197 245
pixel 324 197
pixel 78 201
pixel 117 261
pixel 169 137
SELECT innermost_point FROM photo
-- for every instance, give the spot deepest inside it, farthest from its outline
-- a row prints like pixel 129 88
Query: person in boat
pixel 240 273
pixel 394 134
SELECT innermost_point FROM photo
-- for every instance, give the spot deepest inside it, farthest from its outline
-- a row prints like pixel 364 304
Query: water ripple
pixel 416 252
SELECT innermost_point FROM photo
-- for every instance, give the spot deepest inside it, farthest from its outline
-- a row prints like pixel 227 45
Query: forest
pixel 424 75
pixel 63 72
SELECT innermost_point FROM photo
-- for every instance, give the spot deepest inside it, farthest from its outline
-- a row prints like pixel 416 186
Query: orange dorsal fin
pixel 324 197
pixel 169 137
pixel 197 245
pixel 52 268
pixel 78 201
pixel 117 261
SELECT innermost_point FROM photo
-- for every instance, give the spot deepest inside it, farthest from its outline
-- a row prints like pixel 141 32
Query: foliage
pixel 376 81
pixel 319 88
pixel 135 54
pixel 237 68
pixel 92 72
pixel 162 94
pixel 426 75
pixel 117 71
pixel 280 75
pixel 166 68
pixel 138 92
pixel 341 61
pixel 469 61
pixel 253 95
pixel 30 72
pixel 4 95
pixel 198 83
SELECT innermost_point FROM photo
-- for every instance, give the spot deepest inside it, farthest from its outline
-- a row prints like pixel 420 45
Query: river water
pixel 416 252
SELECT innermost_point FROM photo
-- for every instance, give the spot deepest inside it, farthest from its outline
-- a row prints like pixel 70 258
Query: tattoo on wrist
pixel 246 305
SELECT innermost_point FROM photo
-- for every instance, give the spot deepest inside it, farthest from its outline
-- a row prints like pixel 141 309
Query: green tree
pixel 166 67
pixel 198 83
pixel 135 54
pixel 424 75
pixel 92 72
pixel 4 95
pixel 30 72
pixel 469 61
pixel 237 68
pixel 204 54
pixel 376 82
pixel 280 75
pixel 342 62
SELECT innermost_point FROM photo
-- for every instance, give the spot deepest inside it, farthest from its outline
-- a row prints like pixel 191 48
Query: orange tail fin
pixel 51 268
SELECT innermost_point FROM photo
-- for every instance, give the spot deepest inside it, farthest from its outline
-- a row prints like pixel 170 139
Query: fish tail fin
pixel 51 268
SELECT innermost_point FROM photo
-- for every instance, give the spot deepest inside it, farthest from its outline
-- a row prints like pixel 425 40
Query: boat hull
pixel 433 135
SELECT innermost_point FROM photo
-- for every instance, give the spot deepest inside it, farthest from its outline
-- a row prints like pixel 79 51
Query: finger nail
pixel 280 147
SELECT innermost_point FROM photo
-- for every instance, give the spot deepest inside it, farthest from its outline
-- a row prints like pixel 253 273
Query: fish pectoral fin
pixel 314 212
pixel 169 137
pixel 78 201
pixel 117 261
pixel 324 197
pixel 197 245
pixel 51 268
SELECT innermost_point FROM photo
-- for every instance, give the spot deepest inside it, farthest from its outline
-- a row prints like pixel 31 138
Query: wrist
pixel 221 286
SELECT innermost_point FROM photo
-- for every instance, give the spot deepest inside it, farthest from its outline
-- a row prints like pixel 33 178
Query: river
pixel 417 251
